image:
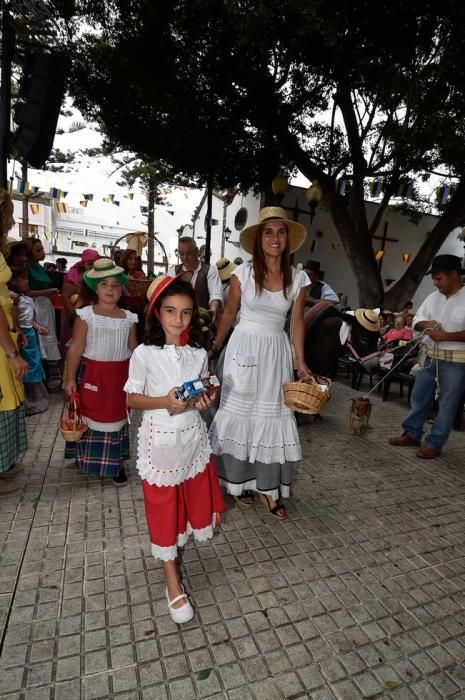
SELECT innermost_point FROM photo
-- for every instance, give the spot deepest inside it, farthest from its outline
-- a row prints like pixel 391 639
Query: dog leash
pixel 402 359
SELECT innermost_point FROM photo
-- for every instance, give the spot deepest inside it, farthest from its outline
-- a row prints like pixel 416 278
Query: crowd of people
pixel 249 444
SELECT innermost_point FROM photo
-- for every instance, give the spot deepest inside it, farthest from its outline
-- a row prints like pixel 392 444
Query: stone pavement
pixel 359 593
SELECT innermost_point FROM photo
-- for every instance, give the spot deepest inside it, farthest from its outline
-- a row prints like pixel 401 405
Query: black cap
pixel 312 265
pixel 446 263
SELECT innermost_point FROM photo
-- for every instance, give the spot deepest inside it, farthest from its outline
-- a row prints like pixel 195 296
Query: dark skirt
pixel 13 437
pixel 99 453
pixel 36 398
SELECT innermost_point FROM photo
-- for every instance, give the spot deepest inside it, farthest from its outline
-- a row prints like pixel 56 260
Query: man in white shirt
pixel 441 318
pixel 205 278
pixel 318 289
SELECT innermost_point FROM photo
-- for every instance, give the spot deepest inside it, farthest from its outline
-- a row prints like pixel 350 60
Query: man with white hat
pixel 441 318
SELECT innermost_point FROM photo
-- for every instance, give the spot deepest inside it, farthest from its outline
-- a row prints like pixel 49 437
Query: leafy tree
pixel 230 89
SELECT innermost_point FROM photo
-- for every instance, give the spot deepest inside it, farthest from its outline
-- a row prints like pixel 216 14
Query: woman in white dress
pixel 253 434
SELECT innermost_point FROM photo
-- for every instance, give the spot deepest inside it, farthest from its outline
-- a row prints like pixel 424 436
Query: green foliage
pixel 232 89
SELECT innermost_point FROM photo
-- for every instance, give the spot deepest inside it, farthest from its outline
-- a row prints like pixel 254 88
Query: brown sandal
pixel 274 511
pixel 242 503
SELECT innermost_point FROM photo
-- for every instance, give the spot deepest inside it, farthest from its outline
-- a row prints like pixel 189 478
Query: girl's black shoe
pixel 121 479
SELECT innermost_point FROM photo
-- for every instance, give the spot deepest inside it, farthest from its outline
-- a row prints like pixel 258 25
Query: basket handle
pixel 72 407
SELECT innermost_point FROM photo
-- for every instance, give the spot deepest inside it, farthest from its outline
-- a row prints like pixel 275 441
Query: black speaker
pixel 36 112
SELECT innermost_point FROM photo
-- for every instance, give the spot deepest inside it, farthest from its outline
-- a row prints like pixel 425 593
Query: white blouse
pixel 107 338
pixel 171 449
pixel 26 311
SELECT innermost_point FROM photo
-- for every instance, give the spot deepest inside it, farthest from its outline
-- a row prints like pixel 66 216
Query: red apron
pixel 101 392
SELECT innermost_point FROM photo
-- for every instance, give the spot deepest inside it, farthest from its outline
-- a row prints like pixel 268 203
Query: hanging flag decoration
pixel 34 208
pixel 406 257
pixel 111 197
pixel 144 210
pixel 379 255
pixel 55 193
pixel 442 194
pixel 61 207
pixel 89 197
pixel 130 196
pixel 341 186
pixel 376 187
pixel 106 199
pixel 23 187
pixel 84 202
pixel 171 212
pixel 64 195
pixel 116 203
pixel 404 189
pixel 34 190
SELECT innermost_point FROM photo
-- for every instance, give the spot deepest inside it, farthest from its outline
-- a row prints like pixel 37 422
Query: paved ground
pixel 359 593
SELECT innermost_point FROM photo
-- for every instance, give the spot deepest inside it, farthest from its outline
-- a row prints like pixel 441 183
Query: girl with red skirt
pixel 181 491
pixel 103 339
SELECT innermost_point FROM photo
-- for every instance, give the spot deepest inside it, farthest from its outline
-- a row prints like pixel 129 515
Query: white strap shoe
pixel 182 614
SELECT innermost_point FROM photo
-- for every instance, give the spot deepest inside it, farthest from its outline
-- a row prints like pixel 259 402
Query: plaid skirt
pixel 99 453
pixel 14 438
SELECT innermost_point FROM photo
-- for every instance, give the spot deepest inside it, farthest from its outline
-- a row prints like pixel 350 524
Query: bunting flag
pixel 171 212
pixel 84 202
pixel 106 199
pixel 379 255
pixel 313 246
pixel 442 194
pixel 406 257
pixel 23 187
pixel 116 203
pixel 111 197
pixel 341 186
pixel 55 193
pixel 35 190
pixel 34 208
pixel 404 189
pixel 130 196
pixel 64 195
pixel 89 197
pixel 61 207
pixel 144 210
pixel 376 187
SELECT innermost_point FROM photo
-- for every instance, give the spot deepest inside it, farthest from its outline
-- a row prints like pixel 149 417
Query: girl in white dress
pixel 181 490
pixel 253 434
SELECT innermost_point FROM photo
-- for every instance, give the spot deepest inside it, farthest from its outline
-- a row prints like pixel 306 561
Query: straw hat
pixel 368 319
pixel 225 268
pixel 102 269
pixel 296 232
pixel 158 286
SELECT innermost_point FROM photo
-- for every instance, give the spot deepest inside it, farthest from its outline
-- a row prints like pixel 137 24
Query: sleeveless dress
pixel 104 447
pixel 253 434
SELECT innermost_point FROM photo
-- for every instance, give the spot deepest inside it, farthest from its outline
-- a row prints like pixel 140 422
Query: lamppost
pixel 313 195
pixel 280 186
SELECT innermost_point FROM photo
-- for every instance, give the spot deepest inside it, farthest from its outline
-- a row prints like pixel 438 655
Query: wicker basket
pixel 72 427
pixel 307 396
pixel 138 287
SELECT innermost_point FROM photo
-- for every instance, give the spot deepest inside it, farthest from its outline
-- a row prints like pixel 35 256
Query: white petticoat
pixel 252 422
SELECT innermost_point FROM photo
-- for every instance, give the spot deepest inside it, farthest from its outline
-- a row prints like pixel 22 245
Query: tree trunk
pixel 151 227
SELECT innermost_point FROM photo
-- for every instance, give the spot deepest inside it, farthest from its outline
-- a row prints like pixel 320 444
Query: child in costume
pixel 104 337
pixel 181 490
pixel 36 395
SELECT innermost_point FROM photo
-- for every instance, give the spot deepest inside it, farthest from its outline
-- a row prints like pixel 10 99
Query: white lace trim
pixel 201 535
pixel 156 473
pixel 238 489
pixel 269 442
pixel 170 477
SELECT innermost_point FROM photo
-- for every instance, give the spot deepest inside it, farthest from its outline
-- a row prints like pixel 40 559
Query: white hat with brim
pixel 225 268
pixel 296 232
pixel 368 319
pixel 102 269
